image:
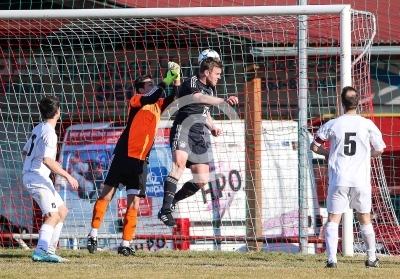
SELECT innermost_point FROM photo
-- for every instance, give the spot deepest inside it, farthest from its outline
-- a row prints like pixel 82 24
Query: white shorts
pixel 43 192
pixel 358 198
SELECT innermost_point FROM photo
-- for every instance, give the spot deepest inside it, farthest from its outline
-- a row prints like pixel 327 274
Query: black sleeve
pixel 153 96
pixel 189 87
pixel 168 100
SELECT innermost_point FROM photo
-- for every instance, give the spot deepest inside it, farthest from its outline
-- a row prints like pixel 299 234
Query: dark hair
pixel 94 164
pixel 48 107
pixel 350 102
pixel 209 64
pixel 139 82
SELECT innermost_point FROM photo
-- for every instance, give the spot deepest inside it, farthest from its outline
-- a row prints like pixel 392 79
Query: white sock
pixel 125 243
pixel 331 240
pixel 368 235
pixel 93 232
pixel 54 239
pixel 45 234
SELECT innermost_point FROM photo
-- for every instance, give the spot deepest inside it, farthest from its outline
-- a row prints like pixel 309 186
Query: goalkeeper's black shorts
pixel 128 171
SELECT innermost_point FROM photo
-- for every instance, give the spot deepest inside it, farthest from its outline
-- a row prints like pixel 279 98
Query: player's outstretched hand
pixel 173 73
pixel 232 100
pixel 216 132
pixel 175 69
pixel 73 182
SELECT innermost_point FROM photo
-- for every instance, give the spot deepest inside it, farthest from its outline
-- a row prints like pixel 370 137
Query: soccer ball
pixel 208 53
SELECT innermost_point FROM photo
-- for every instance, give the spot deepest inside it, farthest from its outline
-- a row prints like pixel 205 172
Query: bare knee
pixel 52 218
pixel 177 169
pixel 107 193
pixel 201 184
pixel 133 201
pixel 364 218
pixel 63 212
pixel 334 218
pixel 200 180
pixel 179 159
pixel 136 204
pixel 106 197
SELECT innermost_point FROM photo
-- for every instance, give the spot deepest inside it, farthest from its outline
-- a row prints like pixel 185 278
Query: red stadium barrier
pixel 183 229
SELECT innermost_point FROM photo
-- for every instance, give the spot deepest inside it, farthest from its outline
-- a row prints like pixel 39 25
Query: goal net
pixel 252 200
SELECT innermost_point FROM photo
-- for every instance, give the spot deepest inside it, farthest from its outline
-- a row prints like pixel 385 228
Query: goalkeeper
pixel 128 164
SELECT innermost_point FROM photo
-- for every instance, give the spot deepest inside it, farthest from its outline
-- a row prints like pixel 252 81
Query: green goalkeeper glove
pixel 176 68
pixel 173 73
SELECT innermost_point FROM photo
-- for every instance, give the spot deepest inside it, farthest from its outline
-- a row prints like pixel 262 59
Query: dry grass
pixel 174 264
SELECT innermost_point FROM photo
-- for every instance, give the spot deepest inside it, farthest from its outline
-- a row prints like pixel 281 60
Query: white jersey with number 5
pixel 350 137
pixel 42 143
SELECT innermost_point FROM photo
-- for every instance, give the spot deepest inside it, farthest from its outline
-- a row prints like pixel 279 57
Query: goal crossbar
pixel 174 12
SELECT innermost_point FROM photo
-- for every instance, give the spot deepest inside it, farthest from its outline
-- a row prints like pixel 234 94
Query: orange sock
pixel 99 211
pixel 130 221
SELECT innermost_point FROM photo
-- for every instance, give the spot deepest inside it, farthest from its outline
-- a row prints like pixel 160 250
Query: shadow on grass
pixel 14 256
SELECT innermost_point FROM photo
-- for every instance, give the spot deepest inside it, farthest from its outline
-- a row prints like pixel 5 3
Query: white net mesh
pixel 92 64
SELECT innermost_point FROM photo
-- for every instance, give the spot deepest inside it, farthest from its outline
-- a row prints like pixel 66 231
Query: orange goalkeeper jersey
pixel 143 117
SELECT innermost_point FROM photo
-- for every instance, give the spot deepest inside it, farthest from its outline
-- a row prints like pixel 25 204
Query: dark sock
pixel 169 193
pixel 188 189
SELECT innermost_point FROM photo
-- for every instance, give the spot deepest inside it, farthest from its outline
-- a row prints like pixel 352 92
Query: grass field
pixel 191 265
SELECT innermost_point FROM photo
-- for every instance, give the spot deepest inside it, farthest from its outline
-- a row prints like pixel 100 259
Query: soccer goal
pixel 267 191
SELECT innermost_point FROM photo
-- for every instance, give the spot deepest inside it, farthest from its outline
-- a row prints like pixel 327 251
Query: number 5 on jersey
pixel 350 145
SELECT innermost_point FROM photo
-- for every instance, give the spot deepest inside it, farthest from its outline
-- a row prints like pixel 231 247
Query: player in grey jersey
pixel 187 139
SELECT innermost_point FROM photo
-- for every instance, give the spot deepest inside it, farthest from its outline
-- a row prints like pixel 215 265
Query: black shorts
pixel 192 142
pixel 128 171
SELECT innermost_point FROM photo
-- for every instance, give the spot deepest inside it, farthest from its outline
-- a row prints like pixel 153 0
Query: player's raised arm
pixel 200 98
pixel 210 73
pixel 175 68
pixel 148 93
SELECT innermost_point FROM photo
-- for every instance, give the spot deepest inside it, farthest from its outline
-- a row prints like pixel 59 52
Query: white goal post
pixel 344 11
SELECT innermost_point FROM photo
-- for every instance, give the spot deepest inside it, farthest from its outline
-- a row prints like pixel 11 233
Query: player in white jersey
pixel 349 167
pixel 40 152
